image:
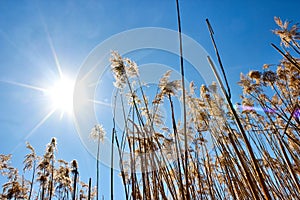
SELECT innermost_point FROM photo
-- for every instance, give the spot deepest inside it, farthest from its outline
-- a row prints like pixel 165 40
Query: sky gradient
pixel 36 35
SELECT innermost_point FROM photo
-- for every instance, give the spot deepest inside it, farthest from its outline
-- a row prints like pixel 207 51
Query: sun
pixel 61 95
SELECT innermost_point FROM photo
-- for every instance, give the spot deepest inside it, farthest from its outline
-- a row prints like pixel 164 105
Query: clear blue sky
pixel 28 28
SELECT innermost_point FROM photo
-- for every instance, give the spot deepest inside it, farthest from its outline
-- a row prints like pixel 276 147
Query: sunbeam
pixel 60 94
pixel 25 85
pixel 39 124
pixel 57 63
pixel 44 119
pixel 50 42
pixel 100 103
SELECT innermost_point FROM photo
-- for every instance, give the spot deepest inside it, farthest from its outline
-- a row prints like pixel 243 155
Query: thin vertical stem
pixel 32 179
pixel 112 153
pixel 90 185
pixel 177 147
pixel 122 168
pixel 98 170
pixel 185 166
pixel 74 184
pixel 52 174
pixel 112 164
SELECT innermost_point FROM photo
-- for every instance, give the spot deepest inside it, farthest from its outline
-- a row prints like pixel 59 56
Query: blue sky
pixel 30 31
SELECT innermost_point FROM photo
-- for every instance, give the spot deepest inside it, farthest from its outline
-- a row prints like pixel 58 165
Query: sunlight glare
pixel 61 95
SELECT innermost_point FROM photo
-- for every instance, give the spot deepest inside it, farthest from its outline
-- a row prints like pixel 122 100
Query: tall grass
pixel 249 150
pixel 255 143
pixel 51 178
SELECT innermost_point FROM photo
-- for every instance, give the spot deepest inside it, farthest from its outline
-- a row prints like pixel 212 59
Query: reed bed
pixel 248 150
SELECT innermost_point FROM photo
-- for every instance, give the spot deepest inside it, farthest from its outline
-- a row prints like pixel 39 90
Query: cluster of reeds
pixel 43 177
pixel 245 151
pixel 250 150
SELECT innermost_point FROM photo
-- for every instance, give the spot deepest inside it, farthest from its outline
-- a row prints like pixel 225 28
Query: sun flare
pixel 61 95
